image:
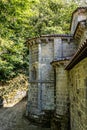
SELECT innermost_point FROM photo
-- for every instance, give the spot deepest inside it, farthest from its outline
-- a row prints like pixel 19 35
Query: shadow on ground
pixel 11 118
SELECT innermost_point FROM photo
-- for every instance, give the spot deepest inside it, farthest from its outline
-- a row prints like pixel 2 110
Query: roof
pixel 48 36
pixel 79 23
pixel 60 59
pixel 79 8
pixel 79 55
pixel 57 62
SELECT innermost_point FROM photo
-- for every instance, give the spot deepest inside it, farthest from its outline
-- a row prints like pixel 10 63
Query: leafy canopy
pixel 20 19
pixel 51 16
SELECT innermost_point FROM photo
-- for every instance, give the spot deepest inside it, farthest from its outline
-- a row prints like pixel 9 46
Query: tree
pixel 51 16
pixel 20 19
pixel 13 59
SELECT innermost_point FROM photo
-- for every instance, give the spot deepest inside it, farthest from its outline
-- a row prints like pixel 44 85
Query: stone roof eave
pixel 29 40
pixel 79 55
pixel 59 62
pixel 78 27
pixel 77 9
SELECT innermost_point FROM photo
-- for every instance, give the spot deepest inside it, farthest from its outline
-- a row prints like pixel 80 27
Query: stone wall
pixel 14 90
pixel 33 59
pixel 61 117
pixel 61 90
pixel 33 77
pixel 83 37
pixel 32 98
pixel 41 78
pixel 78 96
pixel 53 89
pixel 47 96
pixel 78 16
pixel 64 48
pixel 47 76
pixel 42 93
pixel 47 51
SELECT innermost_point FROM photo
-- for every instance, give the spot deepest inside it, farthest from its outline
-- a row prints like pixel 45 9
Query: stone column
pixel 39 79
pixel 57 48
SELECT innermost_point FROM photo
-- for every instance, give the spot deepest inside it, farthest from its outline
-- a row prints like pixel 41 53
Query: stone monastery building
pixel 58 76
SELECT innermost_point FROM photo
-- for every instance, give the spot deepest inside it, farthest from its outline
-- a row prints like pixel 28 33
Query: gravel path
pixel 12 118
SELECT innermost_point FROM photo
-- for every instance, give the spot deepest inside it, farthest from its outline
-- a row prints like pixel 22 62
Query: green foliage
pixel 20 19
pixel 12 59
pixel 51 16
pixel 14 15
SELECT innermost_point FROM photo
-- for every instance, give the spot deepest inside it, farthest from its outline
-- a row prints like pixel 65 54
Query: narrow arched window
pixel 34 73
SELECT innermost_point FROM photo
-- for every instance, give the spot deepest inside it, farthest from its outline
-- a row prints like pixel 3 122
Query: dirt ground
pixel 11 118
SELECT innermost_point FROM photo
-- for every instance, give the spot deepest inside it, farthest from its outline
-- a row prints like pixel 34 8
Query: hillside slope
pixel 14 90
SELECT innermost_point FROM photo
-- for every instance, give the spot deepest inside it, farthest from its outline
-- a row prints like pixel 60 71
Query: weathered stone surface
pixel 54 90
pixel 61 115
pixel 41 73
pixel 78 96
pixel 79 15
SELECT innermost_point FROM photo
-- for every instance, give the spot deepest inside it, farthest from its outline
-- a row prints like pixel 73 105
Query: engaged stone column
pixel 57 48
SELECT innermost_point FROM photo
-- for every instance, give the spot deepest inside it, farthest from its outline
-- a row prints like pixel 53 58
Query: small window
pixel 34 73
